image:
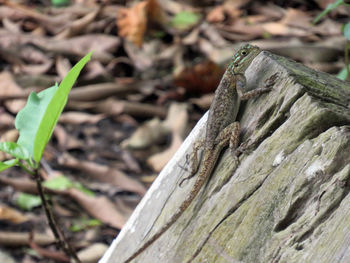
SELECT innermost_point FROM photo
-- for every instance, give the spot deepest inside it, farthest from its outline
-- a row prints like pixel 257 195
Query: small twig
pixel 57 231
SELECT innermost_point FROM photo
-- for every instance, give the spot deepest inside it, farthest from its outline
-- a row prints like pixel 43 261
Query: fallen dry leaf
pixel 16 239
pixel 147 134
pixel 104 90
pixel 47 253
pixel 9 136
pixel 20 184
pixel 159 160
pixel 176 121
pixel 8 86
pixel 15 105
pixel 117 107
pixel 77 27
pixel 99 207
pixel 65 140
pixel 297 18
pixel 104 173
pixel 204 101
pixel 177 118
pixel 276 28
pixel 63 66
pixel 6 119
pixel 92 253
pixel 216 15
pixel 132 23
pixel 35 69
pixel 12 215
pixel 201 78
pixel 77 118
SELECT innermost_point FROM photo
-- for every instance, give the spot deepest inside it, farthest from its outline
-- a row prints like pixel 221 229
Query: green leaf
pixel 185 19
pixel 29 118
pixel 15 150
pixel 343 74
pixel 59 2
pixel 347 31
pixel 329 8
pixel 62 183
pixel 83 223
pixel 37 120
pixel 58 183
pixel 28 201
pixel 7 164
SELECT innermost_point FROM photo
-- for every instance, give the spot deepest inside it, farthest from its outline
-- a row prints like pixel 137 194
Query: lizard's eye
pixel 244 52
pixel 236 65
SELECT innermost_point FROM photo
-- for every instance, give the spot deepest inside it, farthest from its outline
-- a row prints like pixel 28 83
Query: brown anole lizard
pixel 222 129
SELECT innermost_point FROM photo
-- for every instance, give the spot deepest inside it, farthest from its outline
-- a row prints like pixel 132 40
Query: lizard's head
pixel 243 57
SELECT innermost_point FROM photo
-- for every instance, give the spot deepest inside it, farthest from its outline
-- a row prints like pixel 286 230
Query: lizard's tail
pixel 201 178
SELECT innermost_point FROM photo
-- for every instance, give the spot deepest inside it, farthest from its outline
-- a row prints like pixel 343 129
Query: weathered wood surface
pixel 287 201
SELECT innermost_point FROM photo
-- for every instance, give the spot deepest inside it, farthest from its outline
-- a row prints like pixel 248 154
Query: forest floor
pixel 152 75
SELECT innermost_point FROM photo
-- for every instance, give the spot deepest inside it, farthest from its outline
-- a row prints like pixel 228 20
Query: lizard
pixel 222 130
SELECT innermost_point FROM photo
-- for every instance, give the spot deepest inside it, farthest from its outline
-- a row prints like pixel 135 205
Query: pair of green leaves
pixel 37 120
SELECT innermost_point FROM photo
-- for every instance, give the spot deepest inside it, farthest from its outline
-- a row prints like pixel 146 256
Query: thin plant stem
pixel 57 231
pixel 347 58
pixel 26 169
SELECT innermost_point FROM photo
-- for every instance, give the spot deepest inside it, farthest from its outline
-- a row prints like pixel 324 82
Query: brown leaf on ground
pixel 147 134
pixel 92 253
pixel 216 15
pixel 16 239
pixel 132 23
pixel 204 101
pixel 220 13
pixel 63 66
pixel 6 119
pixel 12 215
pixel 95 92
pixel 17 11
pixel 201 78
pixel 20 184
pixel 9 136
pixel 77 118
pixel 15 105
pixel 104 173
pixel 36 69
pixel 155 12
pixel 66 141
pixel 78 26
pixel 99 207
pixel 177 121
pixel 102 45
pixel 8 86
pixel 159 160
pixel 47 253
pixel 297 18
pixel 117 107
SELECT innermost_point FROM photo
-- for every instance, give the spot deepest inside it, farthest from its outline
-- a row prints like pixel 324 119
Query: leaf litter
pixel 152 75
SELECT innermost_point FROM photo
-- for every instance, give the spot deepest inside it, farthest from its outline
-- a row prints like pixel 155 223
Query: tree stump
pixel 288 199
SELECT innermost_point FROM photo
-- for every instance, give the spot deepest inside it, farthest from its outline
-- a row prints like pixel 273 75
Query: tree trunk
pixel 286 201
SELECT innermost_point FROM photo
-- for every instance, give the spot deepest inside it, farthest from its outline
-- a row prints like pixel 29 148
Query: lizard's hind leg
pixel 230 136
pixel 194 161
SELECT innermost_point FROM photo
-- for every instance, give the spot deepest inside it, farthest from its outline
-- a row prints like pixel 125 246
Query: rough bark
pixel 287 201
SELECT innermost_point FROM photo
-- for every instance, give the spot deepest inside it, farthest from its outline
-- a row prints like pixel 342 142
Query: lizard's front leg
pixel 246 95
pixel 241 86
